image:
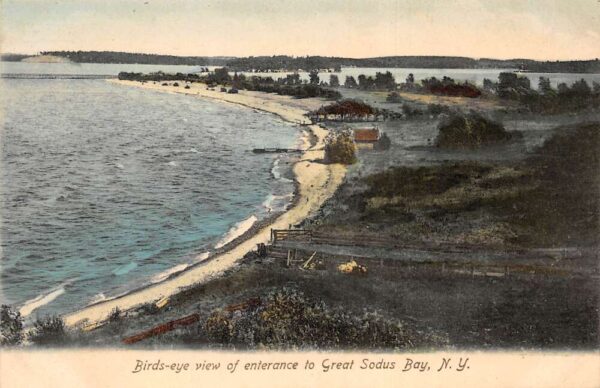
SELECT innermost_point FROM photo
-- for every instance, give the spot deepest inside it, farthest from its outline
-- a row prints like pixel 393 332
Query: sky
pixel 537 29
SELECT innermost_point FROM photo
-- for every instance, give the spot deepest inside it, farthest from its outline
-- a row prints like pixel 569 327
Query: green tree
pixel 488 85
pixel 350 82
pixel 341 149
pixel 385 81
pixel 544 86
pixel 314 77
pixel 334 81
pixel 11 326
pixel 48 331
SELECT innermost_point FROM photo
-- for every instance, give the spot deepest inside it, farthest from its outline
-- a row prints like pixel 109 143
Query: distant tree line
pixel 158 77
pixel 546 99
pixel 442 87
pixel 135 58
pixel 288 63
pixel 308 63
pixel 291 85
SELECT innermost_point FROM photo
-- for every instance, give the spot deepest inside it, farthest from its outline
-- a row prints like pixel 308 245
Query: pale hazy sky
pixel 540 29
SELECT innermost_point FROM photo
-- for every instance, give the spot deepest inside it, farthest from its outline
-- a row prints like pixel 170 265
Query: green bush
pixel 384 142
pixel 340 149
pixel 11 326
pixel 287 319
pixel 470 131
pixel 393 97
pixel 49 330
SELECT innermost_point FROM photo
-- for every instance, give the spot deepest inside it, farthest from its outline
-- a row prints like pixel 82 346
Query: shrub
pixel 11 326
pixel 340 149
pixel 115 315
pixel 409 111
pixel 393 97
pixel 470 131
pixel 287 319
pixel 384 142
pixel 48 331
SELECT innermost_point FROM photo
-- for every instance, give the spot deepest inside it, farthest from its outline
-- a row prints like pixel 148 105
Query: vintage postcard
pixel 300 193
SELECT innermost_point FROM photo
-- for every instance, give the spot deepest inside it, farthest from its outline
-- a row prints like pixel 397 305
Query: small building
pixel 366 137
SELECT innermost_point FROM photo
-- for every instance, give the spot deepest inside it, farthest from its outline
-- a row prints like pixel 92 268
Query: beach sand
pixel 316 183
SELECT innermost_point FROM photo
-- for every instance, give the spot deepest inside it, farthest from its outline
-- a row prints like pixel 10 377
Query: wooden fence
pixel 293 256
pixel 377 241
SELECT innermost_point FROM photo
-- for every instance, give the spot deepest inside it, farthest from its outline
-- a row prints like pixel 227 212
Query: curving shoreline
pixel 316 182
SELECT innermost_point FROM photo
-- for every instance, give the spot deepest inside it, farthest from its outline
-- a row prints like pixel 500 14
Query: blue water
pixel 475 76
pixel 106 186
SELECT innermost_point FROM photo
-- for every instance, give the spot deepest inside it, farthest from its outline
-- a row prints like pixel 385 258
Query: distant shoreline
pixel 315 183
pixel 292 64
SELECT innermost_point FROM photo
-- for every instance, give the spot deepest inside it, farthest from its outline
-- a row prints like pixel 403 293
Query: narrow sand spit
pixel 316 181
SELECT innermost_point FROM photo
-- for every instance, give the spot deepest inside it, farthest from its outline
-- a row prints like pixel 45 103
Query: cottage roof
pixel 366 134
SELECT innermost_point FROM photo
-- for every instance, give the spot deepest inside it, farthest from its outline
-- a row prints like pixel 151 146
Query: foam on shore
pixel 41 300
pixel 236 231
pixel 316 183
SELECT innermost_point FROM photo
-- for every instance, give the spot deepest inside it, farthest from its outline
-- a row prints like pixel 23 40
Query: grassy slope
pixel 550 199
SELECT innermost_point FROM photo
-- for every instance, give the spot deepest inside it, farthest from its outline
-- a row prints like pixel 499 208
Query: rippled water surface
pixel 106 187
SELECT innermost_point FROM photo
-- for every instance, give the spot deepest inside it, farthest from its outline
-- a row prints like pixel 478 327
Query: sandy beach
pixel 316 183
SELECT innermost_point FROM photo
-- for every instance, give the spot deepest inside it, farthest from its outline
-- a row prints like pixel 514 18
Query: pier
pixel 276 150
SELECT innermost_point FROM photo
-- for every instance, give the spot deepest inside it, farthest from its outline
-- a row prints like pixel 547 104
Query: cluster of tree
pixel 135 58
pixel 443 87
pixel 381 81
pixel 284 62
pixel 545 99
pixel 276 63
pixel 291 85
pixel 345 110
pixel 49 330
pixel 159 77
pixel 448 87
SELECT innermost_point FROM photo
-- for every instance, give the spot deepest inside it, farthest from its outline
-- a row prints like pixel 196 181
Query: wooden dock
pixel 276 150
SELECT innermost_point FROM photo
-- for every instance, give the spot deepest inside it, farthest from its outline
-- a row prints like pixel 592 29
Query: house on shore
pixel 366 137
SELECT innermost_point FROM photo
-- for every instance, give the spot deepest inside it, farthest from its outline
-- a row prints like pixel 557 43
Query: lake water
pixel 475 76
pixel 106 187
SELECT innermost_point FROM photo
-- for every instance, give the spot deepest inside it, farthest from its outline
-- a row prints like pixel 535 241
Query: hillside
pixel 290 63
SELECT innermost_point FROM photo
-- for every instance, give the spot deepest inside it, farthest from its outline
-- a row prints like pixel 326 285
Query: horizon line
pixel 313 55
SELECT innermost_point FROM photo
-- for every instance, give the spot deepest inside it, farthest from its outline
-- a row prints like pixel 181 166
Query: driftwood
pixel 161 329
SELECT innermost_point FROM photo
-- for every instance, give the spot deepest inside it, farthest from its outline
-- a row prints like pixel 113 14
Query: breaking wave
pixel 171 271
pixel 237 230
pixel 41 300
